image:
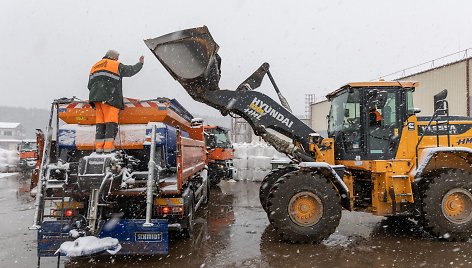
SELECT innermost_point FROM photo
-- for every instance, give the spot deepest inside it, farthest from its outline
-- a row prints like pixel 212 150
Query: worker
pixel 375 118
pixel 106 96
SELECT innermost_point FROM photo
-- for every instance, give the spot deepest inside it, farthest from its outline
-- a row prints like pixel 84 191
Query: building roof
pixel 434 68
pixel 10 125
pixel 404 84
pixel 10 141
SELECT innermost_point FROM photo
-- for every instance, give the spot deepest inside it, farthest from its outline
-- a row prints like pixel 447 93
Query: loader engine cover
pixel 92 171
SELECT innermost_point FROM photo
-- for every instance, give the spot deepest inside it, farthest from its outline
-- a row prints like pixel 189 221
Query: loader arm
pixel 190 56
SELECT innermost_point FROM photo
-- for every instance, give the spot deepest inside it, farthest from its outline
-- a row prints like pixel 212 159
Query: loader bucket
pixel 190 56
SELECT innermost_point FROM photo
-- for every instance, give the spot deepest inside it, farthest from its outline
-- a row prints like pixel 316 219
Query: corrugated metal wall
pixel 318 119
pixel 452 77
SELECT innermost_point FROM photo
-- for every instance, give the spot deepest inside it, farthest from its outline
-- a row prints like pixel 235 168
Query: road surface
pixel 234 232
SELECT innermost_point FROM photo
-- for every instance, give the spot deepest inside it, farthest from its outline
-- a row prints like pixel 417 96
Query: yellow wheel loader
pixel 379 157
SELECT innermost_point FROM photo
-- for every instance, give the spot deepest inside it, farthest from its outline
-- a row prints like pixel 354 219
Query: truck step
pixel 53 184
pixel 53 198
pixel 404 194
pixel 404 177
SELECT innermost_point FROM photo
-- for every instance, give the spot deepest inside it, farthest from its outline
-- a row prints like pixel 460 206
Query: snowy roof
pixel 9 125
pixel 10 140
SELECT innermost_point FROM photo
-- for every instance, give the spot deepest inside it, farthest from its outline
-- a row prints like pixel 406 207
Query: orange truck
pixel 28 153
pixel 137 196
pixel 220 154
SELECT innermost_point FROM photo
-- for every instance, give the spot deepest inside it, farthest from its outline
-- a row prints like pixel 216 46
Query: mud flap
pixel 137 239
pixel 134 238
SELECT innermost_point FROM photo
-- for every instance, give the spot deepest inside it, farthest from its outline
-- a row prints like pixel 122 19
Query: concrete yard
pixel 233 231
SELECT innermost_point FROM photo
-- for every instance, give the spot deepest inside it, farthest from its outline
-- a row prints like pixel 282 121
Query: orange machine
pixel 36 170
pixel 28 154
pixel 220 154
pixel 157 179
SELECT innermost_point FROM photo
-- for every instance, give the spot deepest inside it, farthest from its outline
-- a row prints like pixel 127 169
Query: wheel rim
pixel 457 206
pixel 305 209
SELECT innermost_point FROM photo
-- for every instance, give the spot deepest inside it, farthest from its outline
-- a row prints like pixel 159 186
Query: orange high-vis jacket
pixel 106 65
pixel 378 117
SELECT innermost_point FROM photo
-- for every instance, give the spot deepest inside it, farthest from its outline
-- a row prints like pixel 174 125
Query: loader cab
pixel 366 119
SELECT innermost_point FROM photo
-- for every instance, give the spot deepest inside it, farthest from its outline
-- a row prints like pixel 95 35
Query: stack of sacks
pixel 253 160
pixel 8 160
pixel 240 160
pixel 259 162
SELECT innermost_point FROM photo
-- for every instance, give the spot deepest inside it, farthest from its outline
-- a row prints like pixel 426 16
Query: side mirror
pixel 440 103
pixel 414 111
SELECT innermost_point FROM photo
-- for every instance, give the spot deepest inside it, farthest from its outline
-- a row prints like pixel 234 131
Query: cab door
pixel 384 122
pixel 346 125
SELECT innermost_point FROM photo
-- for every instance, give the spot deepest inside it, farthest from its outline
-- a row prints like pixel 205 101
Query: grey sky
pixel 48 46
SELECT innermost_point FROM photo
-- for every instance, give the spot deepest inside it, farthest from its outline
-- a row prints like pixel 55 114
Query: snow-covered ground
pixel 253 160
pixel 8 160
pixel 6 175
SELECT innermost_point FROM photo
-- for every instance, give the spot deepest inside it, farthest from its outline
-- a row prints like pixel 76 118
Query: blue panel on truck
pixel 50 237
pixel 66 138
pixel 137 239
pixel 133 236
pixel 166 136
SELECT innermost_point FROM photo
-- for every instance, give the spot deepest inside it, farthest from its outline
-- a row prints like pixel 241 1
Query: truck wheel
pixel 269 181
pixel 187 230
pixel 304 207
pixel 447 205
pixel 207 197
pixel 214 180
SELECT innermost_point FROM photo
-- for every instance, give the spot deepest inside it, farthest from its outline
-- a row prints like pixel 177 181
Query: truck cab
pixel 28 153
pixel 220 153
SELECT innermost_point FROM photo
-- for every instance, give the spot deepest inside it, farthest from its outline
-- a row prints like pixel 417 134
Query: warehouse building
pixel 454 75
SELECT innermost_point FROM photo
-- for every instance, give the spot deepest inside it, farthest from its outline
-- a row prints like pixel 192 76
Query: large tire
pixel 269 181
pixel 304 207
pixel 187 230
pixel 447 205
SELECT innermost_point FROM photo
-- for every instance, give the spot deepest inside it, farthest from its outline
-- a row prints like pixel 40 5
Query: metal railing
pixel 435 63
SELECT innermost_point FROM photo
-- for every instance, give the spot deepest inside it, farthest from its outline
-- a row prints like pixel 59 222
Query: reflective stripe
pixel 114 76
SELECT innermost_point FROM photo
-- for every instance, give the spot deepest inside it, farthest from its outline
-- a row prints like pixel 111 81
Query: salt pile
pixel 8 160
pixel 253 160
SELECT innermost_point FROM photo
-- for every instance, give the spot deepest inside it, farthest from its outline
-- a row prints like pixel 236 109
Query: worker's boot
pixel 99 137
pixel 110 133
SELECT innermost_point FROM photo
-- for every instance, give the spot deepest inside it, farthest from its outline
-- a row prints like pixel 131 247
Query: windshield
pixel 220 138
pixel 344 113
pixel 28 146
